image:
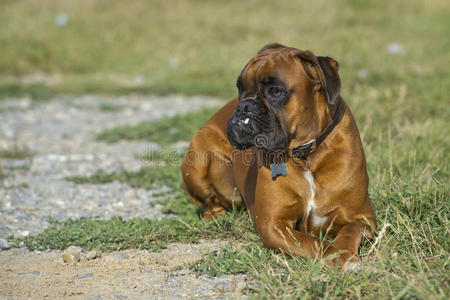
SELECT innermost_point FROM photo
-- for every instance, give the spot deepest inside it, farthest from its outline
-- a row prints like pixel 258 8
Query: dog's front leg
pixel 280 235
pixel 346 245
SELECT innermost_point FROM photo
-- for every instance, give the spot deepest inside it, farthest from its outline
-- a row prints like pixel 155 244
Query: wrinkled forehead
pixel 281 64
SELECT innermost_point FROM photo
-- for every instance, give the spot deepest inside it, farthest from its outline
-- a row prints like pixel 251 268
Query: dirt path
pixel 130 274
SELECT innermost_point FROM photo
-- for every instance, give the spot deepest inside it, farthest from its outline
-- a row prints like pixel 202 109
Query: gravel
pixel 61 135
pixel 4 245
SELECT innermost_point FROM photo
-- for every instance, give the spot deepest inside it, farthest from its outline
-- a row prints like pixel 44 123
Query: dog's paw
pixel 350 266
pixel 213 213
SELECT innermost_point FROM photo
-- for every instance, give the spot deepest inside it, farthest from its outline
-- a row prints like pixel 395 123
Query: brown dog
pixel 289 149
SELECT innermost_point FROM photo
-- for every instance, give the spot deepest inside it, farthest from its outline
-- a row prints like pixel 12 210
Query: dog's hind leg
pixel 207 177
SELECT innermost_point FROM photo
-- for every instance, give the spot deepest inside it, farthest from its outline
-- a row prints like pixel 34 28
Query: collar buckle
pixel 312 144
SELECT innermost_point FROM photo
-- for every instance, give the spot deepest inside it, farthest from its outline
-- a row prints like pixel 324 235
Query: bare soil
pixel 129 274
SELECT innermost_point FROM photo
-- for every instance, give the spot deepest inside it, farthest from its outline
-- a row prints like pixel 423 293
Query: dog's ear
pixel 323 70
pixel 330 69
pixel 271 46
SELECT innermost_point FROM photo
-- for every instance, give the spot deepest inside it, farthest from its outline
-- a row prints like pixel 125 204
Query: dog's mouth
pixel 241 131
pixel 245 125
pixel 255 129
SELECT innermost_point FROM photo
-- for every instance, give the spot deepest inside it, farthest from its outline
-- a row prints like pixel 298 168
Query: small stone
pixel 120 256
pixel 4 245
pixel 396 48
pixel 131 193
pixel 87 275
pixel 362 73
pixel 174 63
pixel 92 254
pixel 183 272
pixel 61 20
pixel 30 273
pixel 72 255
pixel 24 233
pixel 139 79
pixel 70 259
pixel 75 250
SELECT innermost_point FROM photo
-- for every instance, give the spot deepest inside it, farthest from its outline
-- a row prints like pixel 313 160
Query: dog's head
pixel 285 95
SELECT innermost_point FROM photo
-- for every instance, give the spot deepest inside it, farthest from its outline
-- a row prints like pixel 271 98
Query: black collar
pixel 310 146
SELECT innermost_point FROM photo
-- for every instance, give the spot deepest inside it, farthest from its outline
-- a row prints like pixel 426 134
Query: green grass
pixel 107 107
pixel 15 153
pixel 154 235
pixel 295 278
pixel 164 132
pixel 198 47
pixel 36 91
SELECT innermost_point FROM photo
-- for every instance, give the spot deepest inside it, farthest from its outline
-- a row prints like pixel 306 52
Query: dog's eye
pixel 274 92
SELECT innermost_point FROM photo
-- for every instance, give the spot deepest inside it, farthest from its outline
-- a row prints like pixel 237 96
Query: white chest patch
pixel 311 205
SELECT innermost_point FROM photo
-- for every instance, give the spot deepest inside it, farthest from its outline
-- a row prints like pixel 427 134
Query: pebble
pixel 83 276
pixel 74 250
pixel 92 254
pixel 69 259
pixel 23 233
pixel 31 273
pixel 183 272
pixel 120 256
pixel 396 48
pixel 131 193
pixel 72 255
pixel 4 245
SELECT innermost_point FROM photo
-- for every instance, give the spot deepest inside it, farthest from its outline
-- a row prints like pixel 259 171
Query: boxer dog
pixel 288 149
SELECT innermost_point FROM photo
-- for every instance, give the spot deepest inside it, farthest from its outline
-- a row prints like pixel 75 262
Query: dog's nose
pixel 244 107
